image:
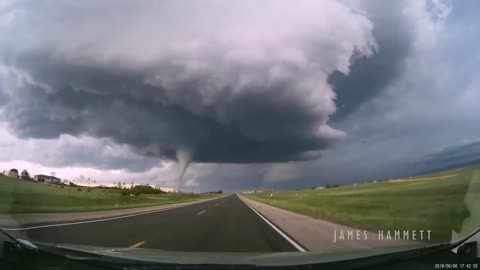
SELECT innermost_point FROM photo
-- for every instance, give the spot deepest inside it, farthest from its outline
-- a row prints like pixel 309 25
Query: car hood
pixel 83 252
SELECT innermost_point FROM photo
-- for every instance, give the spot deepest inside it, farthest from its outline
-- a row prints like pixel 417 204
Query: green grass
pixel 435 204
pixel 20 196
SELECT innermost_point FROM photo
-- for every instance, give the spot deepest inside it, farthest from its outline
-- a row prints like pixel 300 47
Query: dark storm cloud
pixel 252 91
pixel 369 76
pixel 452 157
pixel 91 101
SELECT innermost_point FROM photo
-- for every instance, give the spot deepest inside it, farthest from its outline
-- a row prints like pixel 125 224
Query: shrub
pixel 141 189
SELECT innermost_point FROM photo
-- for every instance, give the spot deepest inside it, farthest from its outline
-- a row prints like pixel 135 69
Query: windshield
pixel 245 127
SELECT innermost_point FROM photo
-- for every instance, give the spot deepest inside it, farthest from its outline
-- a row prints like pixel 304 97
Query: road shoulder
pixel 318 235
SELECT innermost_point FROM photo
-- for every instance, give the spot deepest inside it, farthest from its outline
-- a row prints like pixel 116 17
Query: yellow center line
pixel 201 212
pixel 139 244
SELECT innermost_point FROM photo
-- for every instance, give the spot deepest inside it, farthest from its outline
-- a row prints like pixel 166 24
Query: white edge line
pixel 201 212
pixel 290 240
pixel 102 219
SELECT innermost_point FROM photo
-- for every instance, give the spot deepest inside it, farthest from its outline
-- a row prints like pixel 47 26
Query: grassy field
pixel 19 196
pixel 434 201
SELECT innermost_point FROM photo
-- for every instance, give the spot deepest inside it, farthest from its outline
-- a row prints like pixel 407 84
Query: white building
pixel 47 179
pixel 168 189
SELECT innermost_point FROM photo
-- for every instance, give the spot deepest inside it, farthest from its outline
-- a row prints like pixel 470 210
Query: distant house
pixel 168 189
pixel 252 191
pixel 47 179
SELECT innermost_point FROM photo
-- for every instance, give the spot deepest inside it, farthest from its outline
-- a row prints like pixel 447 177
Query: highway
pixel 225 224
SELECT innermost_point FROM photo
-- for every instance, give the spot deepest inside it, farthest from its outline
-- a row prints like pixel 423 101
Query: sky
pixel 238 95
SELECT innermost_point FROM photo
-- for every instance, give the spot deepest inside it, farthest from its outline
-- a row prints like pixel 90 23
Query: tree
pixel 25 175
pixel 13 173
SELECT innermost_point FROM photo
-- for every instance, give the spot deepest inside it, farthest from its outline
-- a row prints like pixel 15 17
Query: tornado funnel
pixel 184 158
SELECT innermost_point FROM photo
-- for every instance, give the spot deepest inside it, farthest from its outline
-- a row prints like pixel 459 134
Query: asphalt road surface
pixel 225 224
